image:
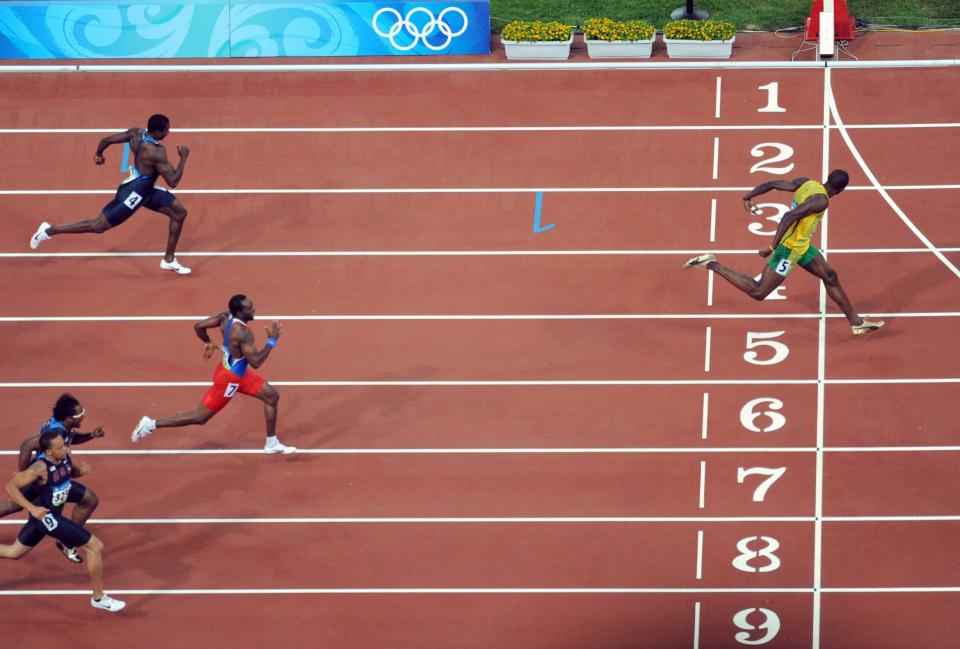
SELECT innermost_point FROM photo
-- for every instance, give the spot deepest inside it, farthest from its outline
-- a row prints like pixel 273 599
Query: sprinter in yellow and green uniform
pixel 792 246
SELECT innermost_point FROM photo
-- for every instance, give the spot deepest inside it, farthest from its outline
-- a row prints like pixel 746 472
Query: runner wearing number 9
pixel 50 475
pixel 791 245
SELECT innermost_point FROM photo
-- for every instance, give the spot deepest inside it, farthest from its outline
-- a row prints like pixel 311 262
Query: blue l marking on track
pixel 536 216
pixel 125 160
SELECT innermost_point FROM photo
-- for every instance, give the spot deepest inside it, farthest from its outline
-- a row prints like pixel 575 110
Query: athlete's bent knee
pixel 831 278
pixel 94 545
pixel 90 500
pixel 101 225
pixel 270 395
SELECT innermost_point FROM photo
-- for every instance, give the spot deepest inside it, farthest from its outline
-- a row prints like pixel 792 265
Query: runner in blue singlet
pixel 51 473
pixel 138 190
pixel 67 417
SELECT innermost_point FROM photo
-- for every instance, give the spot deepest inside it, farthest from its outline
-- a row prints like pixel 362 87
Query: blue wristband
pixel 271 342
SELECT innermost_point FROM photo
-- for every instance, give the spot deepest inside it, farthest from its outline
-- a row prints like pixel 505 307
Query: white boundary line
pixel 876 184
pixel 478 591
pixel 716 109
pixel 455 317
pixel 690 450
pixel 590 66
pixel 440 190
pixel 464 383
pixel 486 129
pixel 518 520
pixel 699 571
pixel 435 253
pixel 821 376
pixel 696 625
pixel 424 591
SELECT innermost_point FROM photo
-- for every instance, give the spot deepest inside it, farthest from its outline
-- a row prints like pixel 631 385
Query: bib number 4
pixel 132 200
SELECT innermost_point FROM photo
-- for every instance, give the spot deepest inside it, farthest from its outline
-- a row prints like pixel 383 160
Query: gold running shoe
pixel 701 261
pixel 866 327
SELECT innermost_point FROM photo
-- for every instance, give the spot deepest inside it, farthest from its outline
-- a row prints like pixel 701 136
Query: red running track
pixel 621 507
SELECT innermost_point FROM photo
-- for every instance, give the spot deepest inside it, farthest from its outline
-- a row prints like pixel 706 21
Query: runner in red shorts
pixel 235 374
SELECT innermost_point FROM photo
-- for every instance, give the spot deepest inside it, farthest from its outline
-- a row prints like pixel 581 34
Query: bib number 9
pixel 50 522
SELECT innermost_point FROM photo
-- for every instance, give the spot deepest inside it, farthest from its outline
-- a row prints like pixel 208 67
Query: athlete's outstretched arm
pixel 22 479
pixel 30 446
pixel 763 188
pixel 813 205
pixel 165 169
pixel 116 138
pixel 254 357
pixel 83 438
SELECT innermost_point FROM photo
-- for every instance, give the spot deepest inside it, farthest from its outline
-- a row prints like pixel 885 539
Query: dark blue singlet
pixel 137 190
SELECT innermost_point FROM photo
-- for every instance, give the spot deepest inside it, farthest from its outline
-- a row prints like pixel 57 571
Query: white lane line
pixel 517 520
pixel 696 625
pixel 524 450
pixel 545 316
pixel 492 129
pixel 713 220
pixel 716 157
pixel 503 383
pixel 529 520
pixel 706 409
pixel 473 591
pixel 706 353
pixel 716 109
pixel 437 190
pixel 710 289
pixel 876 184
pixel 409 591
pixel 699 554
pixel 450 451
pixel 821 375
pixel 434 253
pixel 703 484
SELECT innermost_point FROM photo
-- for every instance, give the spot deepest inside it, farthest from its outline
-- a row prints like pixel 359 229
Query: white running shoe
pixel 144 428
pixel 866 327
pixel 107 603
pixel 174 266
pixel 701 261
pixel 277 447
pixel 70 553
pixel 40 235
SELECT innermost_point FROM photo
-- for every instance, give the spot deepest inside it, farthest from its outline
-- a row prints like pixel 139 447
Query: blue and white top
pixel 236 365
pixel 134 172
pixel 54 492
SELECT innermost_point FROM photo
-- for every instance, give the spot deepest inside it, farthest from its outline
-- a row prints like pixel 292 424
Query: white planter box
pixel 684 49
pixel 619 49
pixel 538 50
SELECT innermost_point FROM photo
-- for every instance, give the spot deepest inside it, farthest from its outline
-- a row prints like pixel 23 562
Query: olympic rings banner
pixel 90 29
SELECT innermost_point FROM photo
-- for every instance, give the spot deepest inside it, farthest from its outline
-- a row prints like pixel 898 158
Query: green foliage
pixel 607 29
pixel 521 30
pixel 760 14
pixel 699 30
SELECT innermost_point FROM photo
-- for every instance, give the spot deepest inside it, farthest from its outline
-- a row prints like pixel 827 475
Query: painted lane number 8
pixel 768 560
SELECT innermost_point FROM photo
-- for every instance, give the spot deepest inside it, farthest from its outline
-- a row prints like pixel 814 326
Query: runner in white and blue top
pixel 137 190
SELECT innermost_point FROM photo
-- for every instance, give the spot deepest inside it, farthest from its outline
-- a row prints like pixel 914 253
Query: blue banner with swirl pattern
pixel 91 29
